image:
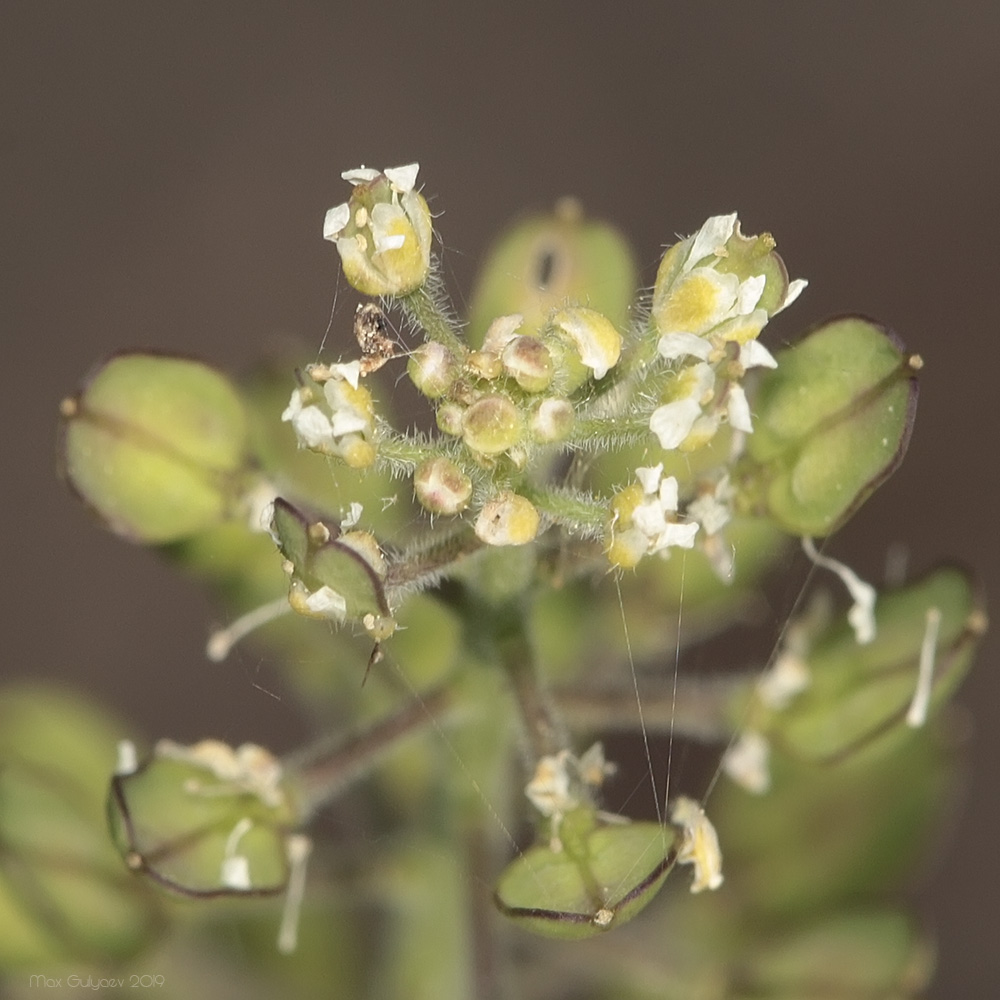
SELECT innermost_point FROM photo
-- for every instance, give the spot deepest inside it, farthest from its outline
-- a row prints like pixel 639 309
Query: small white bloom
pixel 711 509
pixel 787 677
pixel 549 790
pixel 699 846
pixel 746 762
pixel 650 516
pixel 249 768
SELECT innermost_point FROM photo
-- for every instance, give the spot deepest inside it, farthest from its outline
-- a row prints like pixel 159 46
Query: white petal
pixel 678 345
pixel 312 427
pixel 648 518
pixel 360 175
pixel 916 715
pixel 746 762
pixel 348 422
pixel 349 372
pixel 391 242
pixel 235 872
pixel 403 178
pixel 327 602
pixel 750 293
pixel 668 494
pixel 738 409
pixel 672 422
pixel 795 289
pixel 788 676
pixel 294 406
pixel 714 234
pixel 649 477
pixel 128 759
pixel 353 516
pixel 676 535
pixel 501 331
pixel 861 616
pixel 753 354
pixel 336 218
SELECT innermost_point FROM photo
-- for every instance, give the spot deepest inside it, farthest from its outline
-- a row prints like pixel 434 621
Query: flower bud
pixel 491 425
pixel 594 343
pixel 450 417
pixel 441 487
pixel 432 369
pixel 157 446
pixel 383 232
pixel 508 519
pixel 552 419
pixel 529 361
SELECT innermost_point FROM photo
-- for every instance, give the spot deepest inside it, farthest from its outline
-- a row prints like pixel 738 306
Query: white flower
pixel 650 516
pixel 699 846
pixel 711 508
pixel 383 233
pixel 738 409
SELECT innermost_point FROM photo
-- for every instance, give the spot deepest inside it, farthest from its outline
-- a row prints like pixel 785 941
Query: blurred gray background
pixel 166 167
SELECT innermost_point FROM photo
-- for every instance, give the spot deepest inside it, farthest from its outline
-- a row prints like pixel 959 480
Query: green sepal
pixel 156 445
pixel 831 423
pixel 598 881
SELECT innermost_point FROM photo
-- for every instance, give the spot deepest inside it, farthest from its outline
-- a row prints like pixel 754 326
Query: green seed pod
pixel 205 820
pixel 441 486
pixel 340 578
pixel 156 445
pixel 64 895
pixel 602 878
pixel 833 421
pixel 491 425
pixel 546 261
